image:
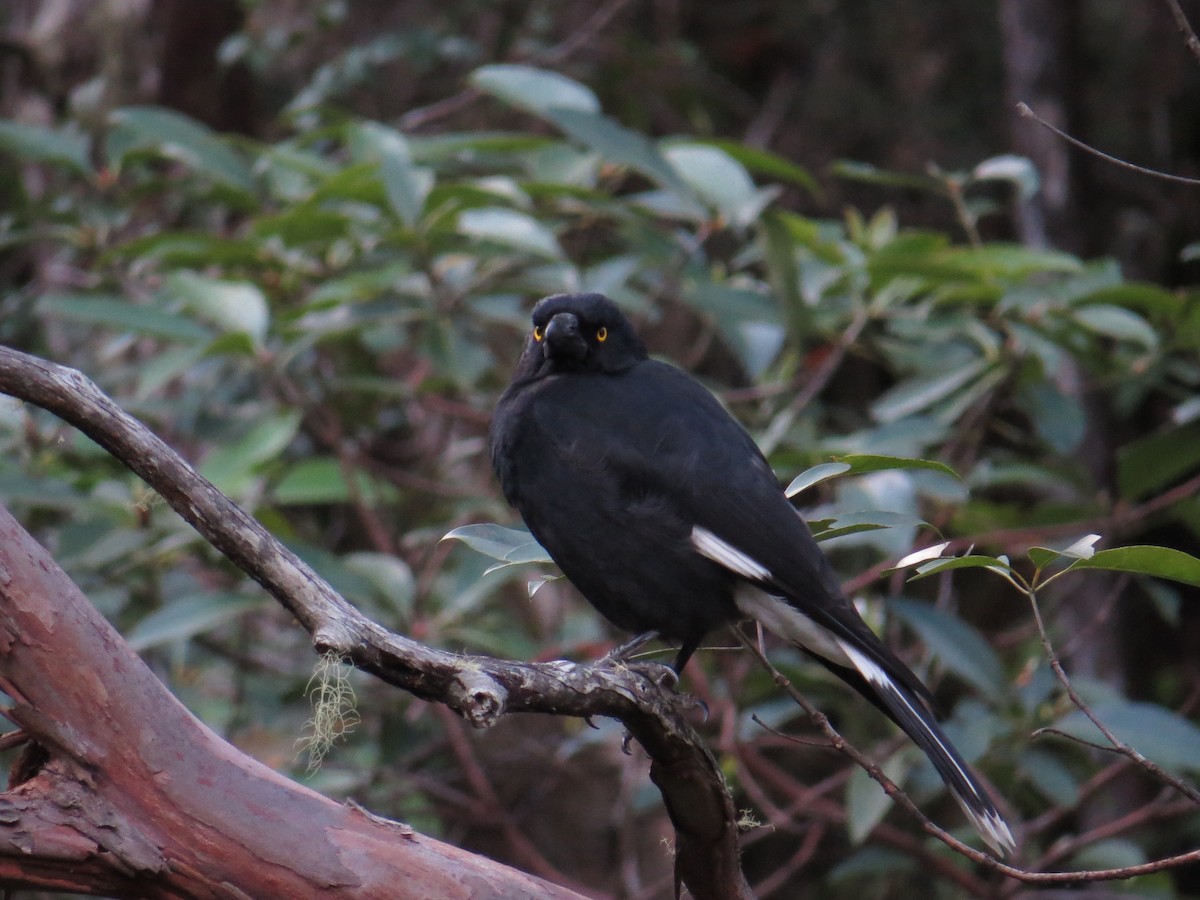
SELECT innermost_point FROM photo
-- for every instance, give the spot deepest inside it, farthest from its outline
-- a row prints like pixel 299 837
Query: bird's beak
pixel 563 339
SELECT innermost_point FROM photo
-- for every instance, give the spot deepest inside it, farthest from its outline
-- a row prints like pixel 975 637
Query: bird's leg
pixel 667 677
pixel 621 653
pixel 686 650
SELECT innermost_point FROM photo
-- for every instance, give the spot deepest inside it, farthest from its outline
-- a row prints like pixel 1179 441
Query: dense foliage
pixel 321 322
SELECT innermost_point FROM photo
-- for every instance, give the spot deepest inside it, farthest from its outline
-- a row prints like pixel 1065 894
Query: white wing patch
pixel 725 554
pixel 781 618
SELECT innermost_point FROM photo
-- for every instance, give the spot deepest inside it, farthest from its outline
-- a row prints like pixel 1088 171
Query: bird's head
pixel 581 333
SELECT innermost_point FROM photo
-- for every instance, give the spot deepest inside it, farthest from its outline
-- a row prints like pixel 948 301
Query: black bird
pixel 659 507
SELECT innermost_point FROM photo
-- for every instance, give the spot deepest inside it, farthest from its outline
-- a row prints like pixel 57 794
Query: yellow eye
pixel 537 333
pixel 602 334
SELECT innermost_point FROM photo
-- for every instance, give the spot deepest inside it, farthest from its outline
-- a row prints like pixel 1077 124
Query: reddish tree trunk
pixel 127 793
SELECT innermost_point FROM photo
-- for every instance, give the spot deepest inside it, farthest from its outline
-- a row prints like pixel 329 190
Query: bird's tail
pixel 900 697
pixel 918 723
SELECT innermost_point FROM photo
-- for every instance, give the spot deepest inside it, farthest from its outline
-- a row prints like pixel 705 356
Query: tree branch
pixel 480 689
pixel 1185 29
pixel 1028 113
pixel 130 795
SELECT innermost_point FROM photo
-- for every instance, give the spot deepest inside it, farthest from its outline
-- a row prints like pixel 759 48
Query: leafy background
pixel 314 279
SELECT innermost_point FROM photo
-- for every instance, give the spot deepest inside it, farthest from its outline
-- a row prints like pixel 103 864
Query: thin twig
pixel 1138 818
pixel 1058 732
pixel 905 802
pixel 1117 744
pixel 1185 28
pixel 1028 113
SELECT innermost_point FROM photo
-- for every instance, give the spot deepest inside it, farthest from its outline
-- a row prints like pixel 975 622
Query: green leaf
pixel 1017 170
pixel 236 306
pixel 859 522
pixel 1007 260
pixel 165 366
pixel 1080 549
pixel 407 186
pixel 620 145
pixel 38 143
pixel 122 315
pixel 183 249
pixel 189 616
pixel 764 162
pixel 531 552
pixel 818 473
pixel 1058 418
pixel 1116 322
pixel 757 344
pixel 783 272
pixel 1149 298
pixel 301 225
pixel 872 862
pixel 1051 777
pixel 534 90
pixel 958 646
pixel 388 575
pixel 861 463
pixel 177 137
pixel 510 228
pixel 865 172
pixel 866 801
pixel 1156 732
pixel 475 146
pixel 991 563
pixel 1114 853
pixel 322 480
pixel 925 554
pixel 1161 562
pixel 718 179
pixel 231 466
pixel 1042 556
pixel 505 544
pixel 1148 464
pixel 917 394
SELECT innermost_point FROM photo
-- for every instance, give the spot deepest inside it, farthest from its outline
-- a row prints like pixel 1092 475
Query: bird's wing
pixel 743 521
pixel 680 441
pixel 656 434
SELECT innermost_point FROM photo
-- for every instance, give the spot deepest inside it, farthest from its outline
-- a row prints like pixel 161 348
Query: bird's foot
pixel 665 676
pixel 658 673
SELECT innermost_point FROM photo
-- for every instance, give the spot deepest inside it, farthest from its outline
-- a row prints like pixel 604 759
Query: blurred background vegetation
pixel 300 240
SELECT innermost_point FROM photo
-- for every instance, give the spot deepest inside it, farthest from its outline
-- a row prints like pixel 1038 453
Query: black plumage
pixel 659 507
